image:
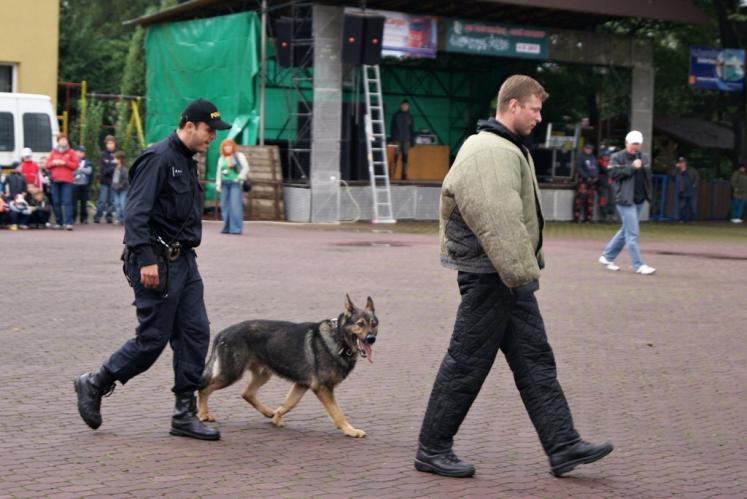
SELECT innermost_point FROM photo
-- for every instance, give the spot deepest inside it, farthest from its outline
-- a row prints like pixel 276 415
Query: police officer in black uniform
pixel 162 226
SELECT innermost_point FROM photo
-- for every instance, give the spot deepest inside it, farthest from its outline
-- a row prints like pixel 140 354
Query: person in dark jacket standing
pixel 162 226
pixel 587 171
pixel 687 180
pixel 107 165
pixel 491 232
pixel 630 171
pixel 403 134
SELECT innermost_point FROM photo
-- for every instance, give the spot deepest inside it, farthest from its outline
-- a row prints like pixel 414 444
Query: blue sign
pixel 717 69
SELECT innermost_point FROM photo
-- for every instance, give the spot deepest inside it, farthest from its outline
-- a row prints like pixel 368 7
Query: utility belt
pixel 165 254
pixel 169 251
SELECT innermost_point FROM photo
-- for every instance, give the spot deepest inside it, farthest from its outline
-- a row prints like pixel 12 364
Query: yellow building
pixel 29 34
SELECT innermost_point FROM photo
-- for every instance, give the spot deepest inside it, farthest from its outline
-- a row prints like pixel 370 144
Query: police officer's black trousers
pixel 490 317
pixel 179 319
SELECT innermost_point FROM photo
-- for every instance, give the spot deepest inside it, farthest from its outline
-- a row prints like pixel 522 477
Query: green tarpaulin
pixel 215 58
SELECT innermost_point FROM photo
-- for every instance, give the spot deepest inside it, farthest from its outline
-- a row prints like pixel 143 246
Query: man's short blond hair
pixel 519 87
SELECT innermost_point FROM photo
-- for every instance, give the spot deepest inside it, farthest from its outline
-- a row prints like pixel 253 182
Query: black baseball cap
pixel 201 110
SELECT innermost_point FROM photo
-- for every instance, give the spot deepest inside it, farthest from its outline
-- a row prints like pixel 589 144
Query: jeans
pixel 492 318
pixel 627 235
pixel 120 200
pixel 737 208
pixel 80 203
pixel 232 207
pixel 687 209
pixel 62 202
pixel 104 203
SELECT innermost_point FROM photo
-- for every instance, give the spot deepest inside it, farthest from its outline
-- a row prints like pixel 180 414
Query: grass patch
pixel 701 231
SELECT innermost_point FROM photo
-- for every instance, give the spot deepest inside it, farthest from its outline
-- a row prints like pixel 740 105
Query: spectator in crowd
pixel 739 184
pixel 14 184
pixel 30 169
pixel 120 186
pixel 19 212
pixel 81 180
pixel 4 209
pixel 40 210
pixel 403 134
pixel 604 187
pixel 232 170
pixel 630 171
pixel 61 163
pixel 107 165
pixel 588 174
pixel 45 178
pixel 687 194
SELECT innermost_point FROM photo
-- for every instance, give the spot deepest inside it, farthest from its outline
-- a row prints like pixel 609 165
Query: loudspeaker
pixel 293 33
pixel 352 39
pixel 283 35
pixel 373 33
pixel 353 149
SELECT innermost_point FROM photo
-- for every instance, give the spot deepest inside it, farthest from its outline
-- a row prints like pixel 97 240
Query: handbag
pixel 246 186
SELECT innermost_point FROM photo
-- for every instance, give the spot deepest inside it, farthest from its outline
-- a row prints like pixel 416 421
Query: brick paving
pixel 658 364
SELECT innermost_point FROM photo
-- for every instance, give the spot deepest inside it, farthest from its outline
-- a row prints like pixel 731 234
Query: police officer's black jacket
pixel 165 197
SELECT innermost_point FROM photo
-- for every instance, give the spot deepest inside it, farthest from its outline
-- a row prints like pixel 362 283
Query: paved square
pixel 657 364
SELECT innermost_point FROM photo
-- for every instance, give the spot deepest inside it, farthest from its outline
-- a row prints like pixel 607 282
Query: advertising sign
pixel 407 35
pixel 717 69
pixel 496 39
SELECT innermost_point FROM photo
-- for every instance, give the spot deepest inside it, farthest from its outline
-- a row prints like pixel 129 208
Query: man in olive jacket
pixel 491 232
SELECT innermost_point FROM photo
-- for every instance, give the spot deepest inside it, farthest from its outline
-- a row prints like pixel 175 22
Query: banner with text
pixel 496 39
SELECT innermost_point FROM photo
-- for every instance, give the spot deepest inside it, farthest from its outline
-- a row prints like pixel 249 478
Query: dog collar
pixel 347 352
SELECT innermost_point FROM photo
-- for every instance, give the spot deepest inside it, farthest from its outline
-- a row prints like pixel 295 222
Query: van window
pixel 37 132
pixel 7 135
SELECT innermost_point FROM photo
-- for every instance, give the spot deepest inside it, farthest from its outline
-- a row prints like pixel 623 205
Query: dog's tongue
pixel 367 349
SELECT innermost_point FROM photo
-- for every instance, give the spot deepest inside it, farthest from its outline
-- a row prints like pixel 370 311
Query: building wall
pixel 29 39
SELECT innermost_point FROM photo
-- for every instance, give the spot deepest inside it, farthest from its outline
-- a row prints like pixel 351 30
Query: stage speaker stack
pixel 361 39
pixel 293 41
pixel 373 33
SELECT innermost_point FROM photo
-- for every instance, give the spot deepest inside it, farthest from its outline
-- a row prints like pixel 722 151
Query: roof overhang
pixel 563 14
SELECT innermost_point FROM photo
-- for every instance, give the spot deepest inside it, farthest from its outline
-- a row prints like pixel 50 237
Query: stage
pixel 413 200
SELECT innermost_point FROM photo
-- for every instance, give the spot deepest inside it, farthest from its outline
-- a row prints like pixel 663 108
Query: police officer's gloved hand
pixel 526 290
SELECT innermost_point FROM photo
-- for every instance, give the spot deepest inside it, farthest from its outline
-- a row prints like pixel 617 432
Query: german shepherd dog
pixel 315 355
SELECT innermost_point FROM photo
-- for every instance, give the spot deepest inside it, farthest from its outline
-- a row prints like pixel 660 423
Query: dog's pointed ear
pixel 349 307
pixel 370 305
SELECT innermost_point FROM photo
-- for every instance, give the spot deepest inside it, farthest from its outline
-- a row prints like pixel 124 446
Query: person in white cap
pixel 29 168
pixel 630 171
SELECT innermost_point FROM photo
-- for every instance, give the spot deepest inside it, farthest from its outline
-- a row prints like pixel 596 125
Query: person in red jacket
pixel 61 163
pixel 29 169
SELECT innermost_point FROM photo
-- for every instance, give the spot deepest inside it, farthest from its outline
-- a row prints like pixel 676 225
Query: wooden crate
pixel 265 201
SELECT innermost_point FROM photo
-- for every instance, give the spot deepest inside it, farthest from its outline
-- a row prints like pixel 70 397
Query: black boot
pixel 581 452
pixel 90 387
pixel 443 463
pixel 185 423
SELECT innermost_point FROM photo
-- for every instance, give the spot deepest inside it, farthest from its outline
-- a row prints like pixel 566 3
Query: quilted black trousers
pixel 491 317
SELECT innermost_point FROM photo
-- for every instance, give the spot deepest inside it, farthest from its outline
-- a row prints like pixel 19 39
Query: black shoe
pixel 185 423
pixel 90 387
pixel 96 221
pixel 443 463
pixel 580 453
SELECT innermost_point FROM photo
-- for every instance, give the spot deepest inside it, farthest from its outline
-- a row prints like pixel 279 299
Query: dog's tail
pixel 211 365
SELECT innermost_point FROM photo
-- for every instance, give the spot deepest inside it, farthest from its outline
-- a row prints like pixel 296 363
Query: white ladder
pixel 378 165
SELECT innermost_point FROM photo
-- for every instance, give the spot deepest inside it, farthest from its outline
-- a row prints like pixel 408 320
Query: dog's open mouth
pixel 364 349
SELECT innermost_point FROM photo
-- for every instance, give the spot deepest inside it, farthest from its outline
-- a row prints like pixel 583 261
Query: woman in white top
pixel 232 170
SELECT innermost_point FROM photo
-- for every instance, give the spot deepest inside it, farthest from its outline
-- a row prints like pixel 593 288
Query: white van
pixel 26 120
